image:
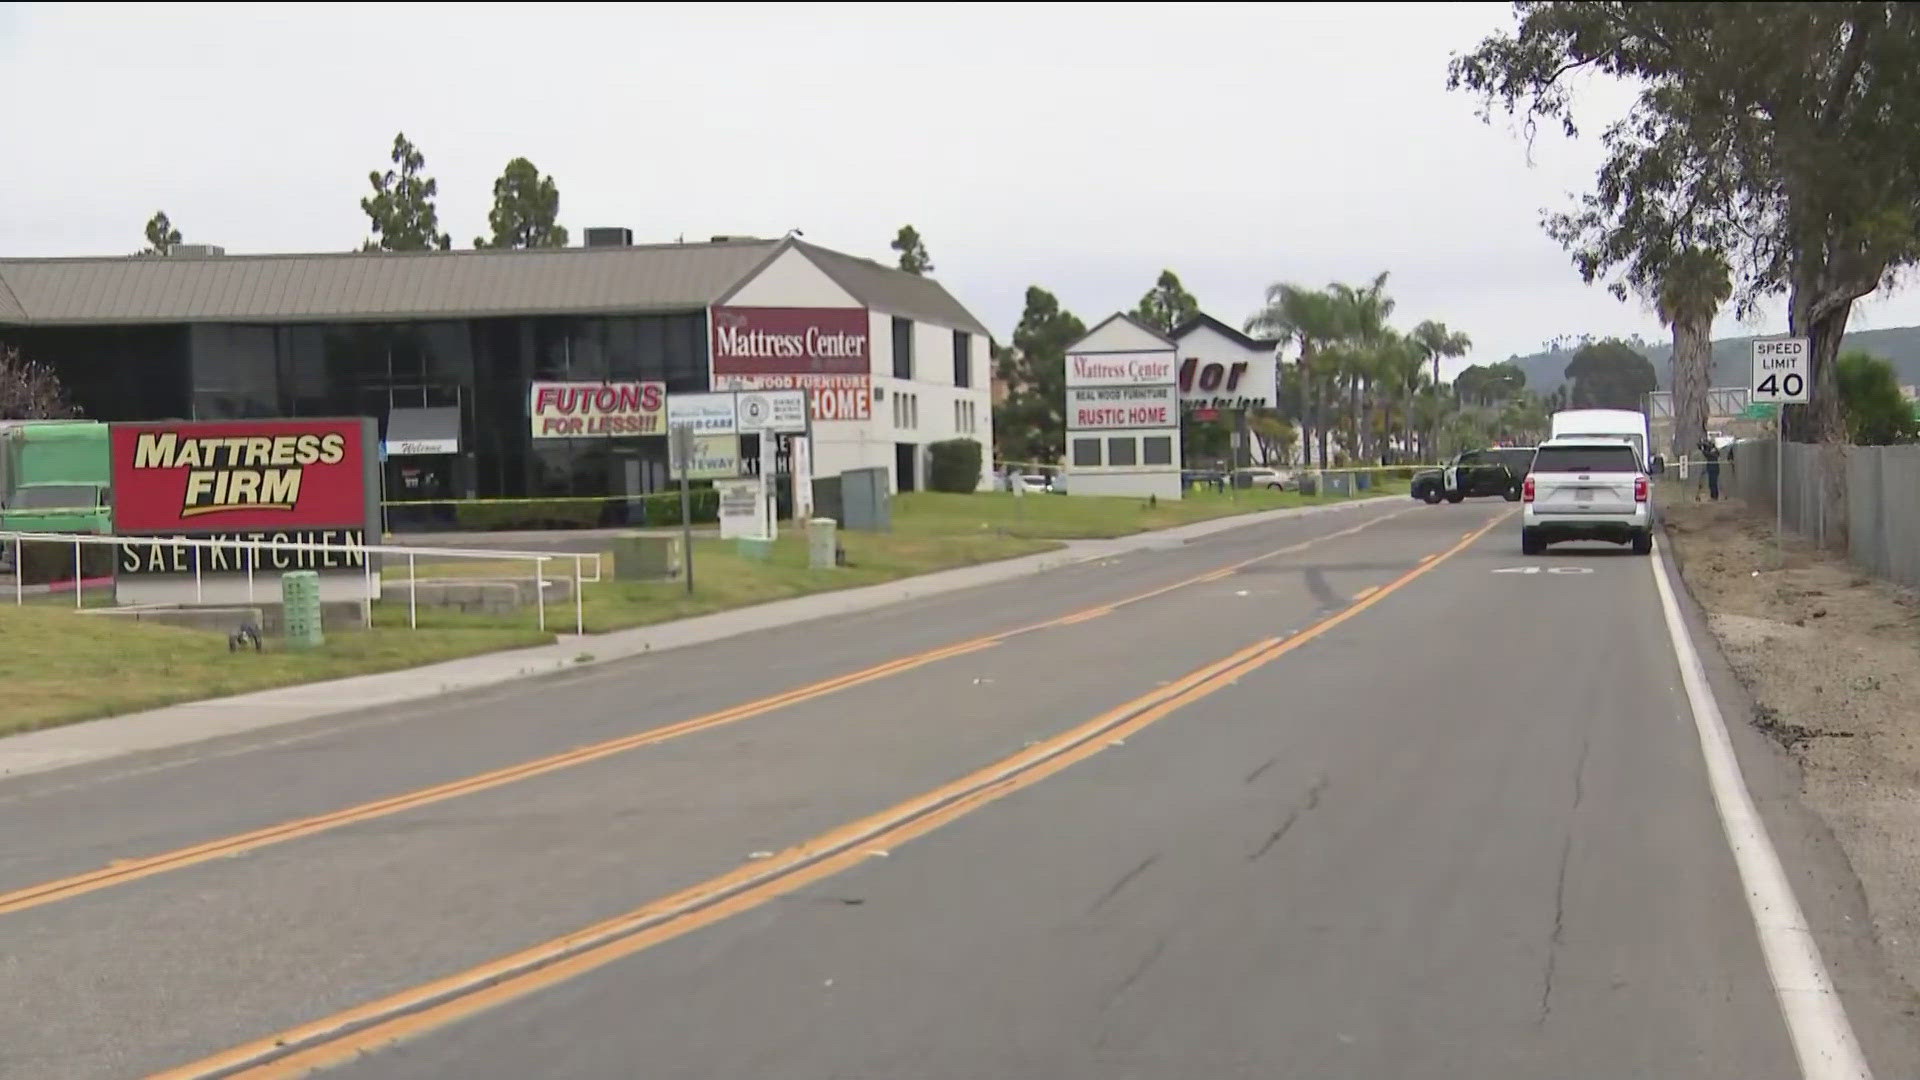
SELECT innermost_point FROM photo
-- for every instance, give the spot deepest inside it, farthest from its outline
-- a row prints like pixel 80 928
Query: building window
pixel 962 358
pixel 1158 450
pixel 1086 453
pixel 1121 450
pixel 913 410
pixel 902 348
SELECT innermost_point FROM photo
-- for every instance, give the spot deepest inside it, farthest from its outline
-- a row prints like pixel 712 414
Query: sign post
pixel 680 446
pixel 1780 369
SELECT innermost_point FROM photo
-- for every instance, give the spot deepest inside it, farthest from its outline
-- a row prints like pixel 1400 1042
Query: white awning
pixel 419 432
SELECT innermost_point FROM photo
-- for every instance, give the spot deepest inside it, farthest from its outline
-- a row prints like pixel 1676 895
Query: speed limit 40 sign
pixel 1780 370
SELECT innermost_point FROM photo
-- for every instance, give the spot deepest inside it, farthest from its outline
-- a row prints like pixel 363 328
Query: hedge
pixel 953 465
pixel 42 562
pixel 660 508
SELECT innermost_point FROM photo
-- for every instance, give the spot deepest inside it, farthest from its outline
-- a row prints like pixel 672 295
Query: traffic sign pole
pixel 1780 375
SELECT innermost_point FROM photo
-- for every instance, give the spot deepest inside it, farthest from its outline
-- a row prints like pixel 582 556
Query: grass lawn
pixel 59 666
pixel 722 579
pixel 1068 517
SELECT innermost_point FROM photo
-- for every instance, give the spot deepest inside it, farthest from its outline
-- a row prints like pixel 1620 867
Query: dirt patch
pixel 1831 658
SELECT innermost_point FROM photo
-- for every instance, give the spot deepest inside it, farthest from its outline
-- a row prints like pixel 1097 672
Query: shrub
pixel 42 563
pixel 659 508
pixel 954 465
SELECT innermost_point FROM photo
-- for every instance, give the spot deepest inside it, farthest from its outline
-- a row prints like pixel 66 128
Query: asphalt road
pixel 1461 831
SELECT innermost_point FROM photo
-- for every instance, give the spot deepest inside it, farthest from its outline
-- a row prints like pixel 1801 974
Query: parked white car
pixel 1261 477
pixel 1586 489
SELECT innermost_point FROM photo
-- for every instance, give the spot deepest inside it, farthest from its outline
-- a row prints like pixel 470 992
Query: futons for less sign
pixel 591 410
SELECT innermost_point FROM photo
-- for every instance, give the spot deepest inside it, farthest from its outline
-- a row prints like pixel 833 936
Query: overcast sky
pixel 1081 148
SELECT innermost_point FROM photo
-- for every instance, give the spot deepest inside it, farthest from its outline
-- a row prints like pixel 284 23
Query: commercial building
pixel 446 351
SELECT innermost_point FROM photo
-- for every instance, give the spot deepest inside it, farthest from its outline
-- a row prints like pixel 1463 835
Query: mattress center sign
pixel 287 481
pixel 598 410
pixel 824 351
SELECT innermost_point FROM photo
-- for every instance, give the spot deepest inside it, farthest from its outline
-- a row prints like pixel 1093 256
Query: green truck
pixel 55 477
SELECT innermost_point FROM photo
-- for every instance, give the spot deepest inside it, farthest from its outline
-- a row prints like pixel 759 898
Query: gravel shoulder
pixel 1831 660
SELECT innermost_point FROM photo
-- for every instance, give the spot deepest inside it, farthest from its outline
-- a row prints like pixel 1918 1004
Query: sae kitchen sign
pixel 286 481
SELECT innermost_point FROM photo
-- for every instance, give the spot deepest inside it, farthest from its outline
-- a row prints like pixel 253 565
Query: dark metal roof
pixel 367 286
pixel 1238 337
pixel 893 291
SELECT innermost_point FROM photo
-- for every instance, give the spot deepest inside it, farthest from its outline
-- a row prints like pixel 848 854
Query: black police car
pixel 1496 470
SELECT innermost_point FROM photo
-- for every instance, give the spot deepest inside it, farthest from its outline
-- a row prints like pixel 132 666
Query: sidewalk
pixel 178 725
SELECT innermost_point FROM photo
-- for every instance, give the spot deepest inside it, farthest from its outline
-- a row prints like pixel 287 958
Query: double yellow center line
pixel 347 1036
pixel 124 871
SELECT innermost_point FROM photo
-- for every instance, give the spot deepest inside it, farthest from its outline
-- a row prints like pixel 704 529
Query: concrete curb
pixel 191 722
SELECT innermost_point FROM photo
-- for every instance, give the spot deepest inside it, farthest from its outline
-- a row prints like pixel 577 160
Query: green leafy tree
pixel 401 209
pixel 1032 423
pixel 1780 135
pixel 1877 413
pixel 1167 304
pixel 162 237
pixel 913 251
pixel 1609 374
pixel 1490 385
pixel 526 208
pixel 1694 285
pixel 1276 436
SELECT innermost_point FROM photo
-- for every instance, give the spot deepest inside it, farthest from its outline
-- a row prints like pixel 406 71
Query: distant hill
pixel 1732 358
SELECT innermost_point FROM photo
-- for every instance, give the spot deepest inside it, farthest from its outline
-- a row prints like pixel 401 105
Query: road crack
pixel 1313 802
pixel 1139 969
pixel 1558 936
pixel 1125 880
pixel 1262 770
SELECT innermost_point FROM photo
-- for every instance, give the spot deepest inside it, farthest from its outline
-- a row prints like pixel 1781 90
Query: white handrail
pixel 412 552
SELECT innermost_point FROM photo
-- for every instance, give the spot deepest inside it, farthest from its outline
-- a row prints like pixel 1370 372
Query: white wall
pixel 932 393
pixel 792 281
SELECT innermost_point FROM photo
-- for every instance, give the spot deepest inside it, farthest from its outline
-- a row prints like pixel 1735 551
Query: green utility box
pixel 300 599
pixel 644 557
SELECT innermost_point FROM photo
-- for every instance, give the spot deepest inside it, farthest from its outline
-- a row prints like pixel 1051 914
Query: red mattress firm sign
pixel 1102 408
pixel 790 341
pixel 592 410
pixel 223 476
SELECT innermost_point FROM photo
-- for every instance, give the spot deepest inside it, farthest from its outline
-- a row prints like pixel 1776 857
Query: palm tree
pixel 1364 311
pixel 1693 286
pixel 1437 341
pixel 1311 320
pixel 1404 373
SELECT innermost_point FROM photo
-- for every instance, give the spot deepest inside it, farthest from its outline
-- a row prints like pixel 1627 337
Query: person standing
pixel 1711 455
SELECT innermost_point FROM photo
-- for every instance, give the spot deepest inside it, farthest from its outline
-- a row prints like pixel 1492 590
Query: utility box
pixel 865 503
pixel 300 604
pixel 823 543
pixel 645 556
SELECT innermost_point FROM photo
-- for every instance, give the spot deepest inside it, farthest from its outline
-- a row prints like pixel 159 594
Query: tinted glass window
pixel 902 348
pixel 1586 459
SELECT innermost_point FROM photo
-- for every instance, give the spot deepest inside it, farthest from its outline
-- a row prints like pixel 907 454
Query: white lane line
pixel 1817 1022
